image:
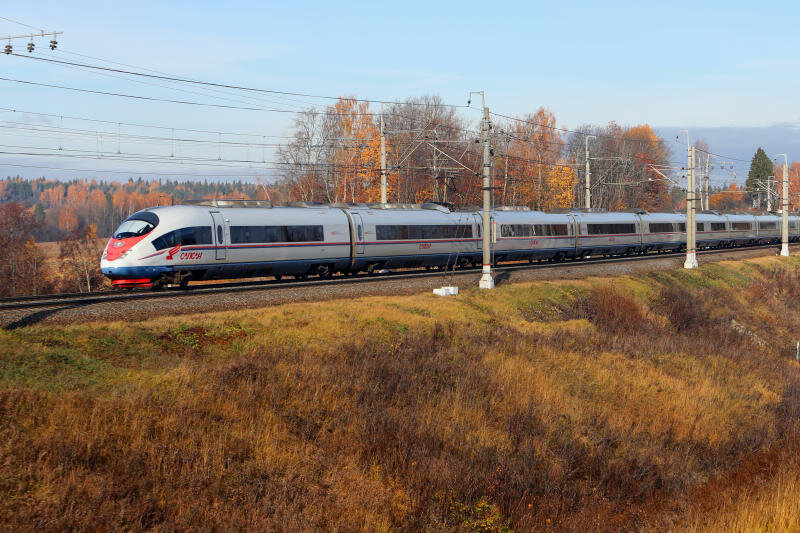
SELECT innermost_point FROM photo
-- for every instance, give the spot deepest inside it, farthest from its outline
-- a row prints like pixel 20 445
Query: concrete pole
pixel 705 185
pixel 588 191
pixel 785 209
pixel 486 282
pixel 769 193
pixel 383 164
pixel 691 226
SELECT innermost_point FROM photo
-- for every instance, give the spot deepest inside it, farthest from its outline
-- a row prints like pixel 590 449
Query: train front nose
pixel 119 264
pixel 120 261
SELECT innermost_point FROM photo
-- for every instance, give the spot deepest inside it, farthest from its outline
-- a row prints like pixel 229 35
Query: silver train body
pixel 227 239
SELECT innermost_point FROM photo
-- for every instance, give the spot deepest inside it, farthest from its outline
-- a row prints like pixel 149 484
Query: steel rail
pixel 76 299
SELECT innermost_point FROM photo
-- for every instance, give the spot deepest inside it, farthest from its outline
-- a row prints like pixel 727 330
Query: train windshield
pixel 137 225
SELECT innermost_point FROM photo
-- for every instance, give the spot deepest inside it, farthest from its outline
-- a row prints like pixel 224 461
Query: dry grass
pixel 591 405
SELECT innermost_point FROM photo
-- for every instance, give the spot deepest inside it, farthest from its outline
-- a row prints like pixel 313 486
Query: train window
pixel 717 226
pixel 516 230
pixel 219 234
pixel 606 229
pixel 137 225
pixel 360 233
pixel 422 232
pixel 661 227
pixel 767 225
pixel 304 233
pixel 265 234
pixel 682 227
pixel 551 230
pixel 701 226
pixel 741 225
pixel 184 237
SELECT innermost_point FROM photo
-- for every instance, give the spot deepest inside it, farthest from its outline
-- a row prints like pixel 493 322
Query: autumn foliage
pixel 433 155
pixel 540 407
pixel 62 208
pixel 21 263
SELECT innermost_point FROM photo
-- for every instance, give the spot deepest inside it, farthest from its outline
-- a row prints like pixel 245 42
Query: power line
pixel 149 158
pixel 566 130
pixel 722 156
pixel 237 87
pixel 53 130
pixel 147 98
pixel 202 104
pixel 129 171
pixel 166 74
pixel 21 23
pixel 242 99
pixel 116 122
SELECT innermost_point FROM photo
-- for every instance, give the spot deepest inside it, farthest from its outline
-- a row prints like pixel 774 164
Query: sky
pixel 725 69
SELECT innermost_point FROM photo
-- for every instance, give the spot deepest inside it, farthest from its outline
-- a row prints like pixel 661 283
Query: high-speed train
pixel 222 239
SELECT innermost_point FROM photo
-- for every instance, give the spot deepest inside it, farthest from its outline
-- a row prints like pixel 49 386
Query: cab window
pixel 137 225
pixel 184 237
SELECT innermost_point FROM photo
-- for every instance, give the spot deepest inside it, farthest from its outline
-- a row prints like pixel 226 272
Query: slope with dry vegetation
pixel 652 401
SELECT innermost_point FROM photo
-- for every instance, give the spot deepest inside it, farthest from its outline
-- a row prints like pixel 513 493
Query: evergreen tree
pixel 760 169
pixel 38 213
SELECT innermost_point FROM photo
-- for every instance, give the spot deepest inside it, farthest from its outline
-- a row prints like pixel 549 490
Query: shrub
pixel 682 309
pixel 610 311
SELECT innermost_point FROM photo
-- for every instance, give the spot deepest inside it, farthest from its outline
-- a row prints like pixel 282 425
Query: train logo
pixel 172 252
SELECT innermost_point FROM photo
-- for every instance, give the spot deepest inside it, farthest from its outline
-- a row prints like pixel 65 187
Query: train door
pixel 640 230
pixel 219 235
pixel 359 233
pixel 478 239
pixel 575 231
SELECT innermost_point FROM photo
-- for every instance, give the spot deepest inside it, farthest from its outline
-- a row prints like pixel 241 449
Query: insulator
pixel 31 46
pixel 8 49
pixel 53 44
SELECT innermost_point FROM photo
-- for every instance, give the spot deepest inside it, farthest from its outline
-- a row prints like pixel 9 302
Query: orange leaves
pixel 731 198
pixel 356 152
pixel 560 182
pixel 68 219
pixel 53 196
pixel 794 186
pixel 78 194
pixel 533 164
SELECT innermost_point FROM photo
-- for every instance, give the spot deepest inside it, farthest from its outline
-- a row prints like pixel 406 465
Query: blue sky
pixel 670 64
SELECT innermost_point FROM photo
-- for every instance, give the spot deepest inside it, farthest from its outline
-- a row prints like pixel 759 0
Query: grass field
pixel 660 401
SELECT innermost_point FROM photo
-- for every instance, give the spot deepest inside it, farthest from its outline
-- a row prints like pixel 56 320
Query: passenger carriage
pixel 663 232
pixel 742 229
pixel 768 229
pixel 410 235
pixel 712 230
pixel 608 233
pixel 522 234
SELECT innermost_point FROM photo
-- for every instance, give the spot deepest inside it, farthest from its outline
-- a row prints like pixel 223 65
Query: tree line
pixel 433 154
pixel 60 208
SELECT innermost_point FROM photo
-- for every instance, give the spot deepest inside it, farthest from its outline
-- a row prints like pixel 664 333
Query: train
pixel 225 239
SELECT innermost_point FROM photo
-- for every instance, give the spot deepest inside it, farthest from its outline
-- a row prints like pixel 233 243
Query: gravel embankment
pixel 144 308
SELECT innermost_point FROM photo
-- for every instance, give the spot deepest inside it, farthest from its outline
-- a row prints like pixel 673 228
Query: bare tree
pixel 80 260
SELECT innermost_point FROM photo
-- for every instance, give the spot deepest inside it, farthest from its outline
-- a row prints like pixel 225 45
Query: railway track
pixel 81 299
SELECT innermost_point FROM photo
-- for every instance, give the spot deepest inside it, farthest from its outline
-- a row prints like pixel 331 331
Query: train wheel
pixel 301 277
pixel 185 283
pixel 324 272
pixel 277 277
